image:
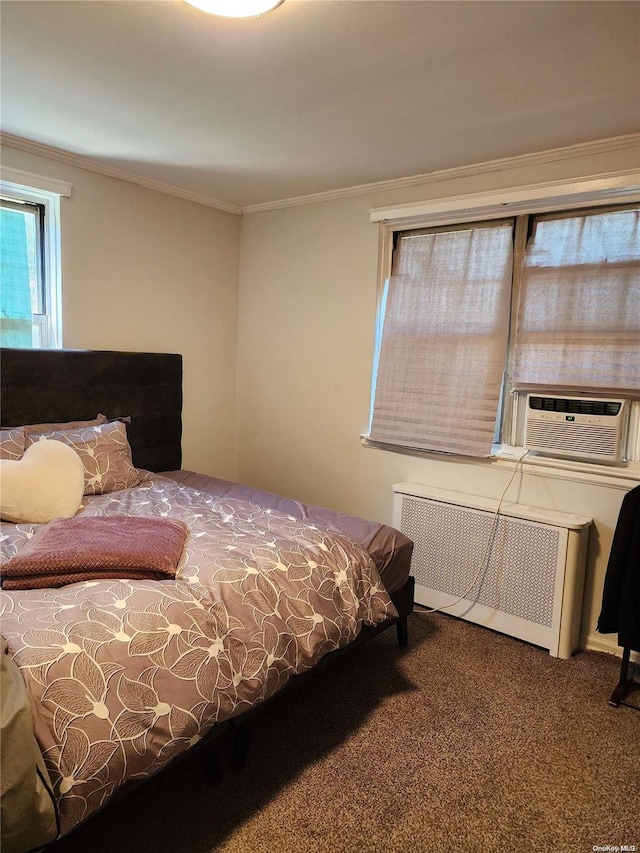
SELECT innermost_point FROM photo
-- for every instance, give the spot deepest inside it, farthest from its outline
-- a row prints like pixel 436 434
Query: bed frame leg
pixel 403 600
pixel 402 630
pixel 211 766
pixel 240 751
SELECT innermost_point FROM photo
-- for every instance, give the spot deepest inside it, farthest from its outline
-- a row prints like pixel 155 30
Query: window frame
pixel 45 192
pixel 614 189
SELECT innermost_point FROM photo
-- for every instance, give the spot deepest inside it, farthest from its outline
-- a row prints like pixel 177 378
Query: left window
pixel 30 266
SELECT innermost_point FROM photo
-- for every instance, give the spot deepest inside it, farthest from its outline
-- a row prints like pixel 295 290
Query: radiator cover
pixel 532 582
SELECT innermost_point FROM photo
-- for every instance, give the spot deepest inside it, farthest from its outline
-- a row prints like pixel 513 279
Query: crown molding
pixel 582 149
pixel 90 165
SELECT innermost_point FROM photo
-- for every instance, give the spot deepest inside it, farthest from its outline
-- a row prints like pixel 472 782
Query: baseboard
pixel 597 643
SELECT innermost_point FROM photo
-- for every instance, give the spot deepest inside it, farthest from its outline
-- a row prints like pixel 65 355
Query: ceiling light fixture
pixel 236 8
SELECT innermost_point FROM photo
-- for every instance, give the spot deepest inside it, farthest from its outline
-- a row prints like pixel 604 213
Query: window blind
pixel 444 339
pixel 579 312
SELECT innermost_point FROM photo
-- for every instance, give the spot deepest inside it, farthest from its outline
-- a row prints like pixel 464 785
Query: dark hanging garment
pixel 621 594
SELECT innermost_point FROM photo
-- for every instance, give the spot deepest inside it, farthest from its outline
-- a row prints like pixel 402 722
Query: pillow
pixel 105 453
pixel 12 443
pixel 40 429
pixel 46 483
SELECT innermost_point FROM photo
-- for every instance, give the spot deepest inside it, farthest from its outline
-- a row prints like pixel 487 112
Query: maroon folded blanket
pixel 84 548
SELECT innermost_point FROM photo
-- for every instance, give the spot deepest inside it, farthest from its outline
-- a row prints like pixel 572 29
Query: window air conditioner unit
pixel 576 427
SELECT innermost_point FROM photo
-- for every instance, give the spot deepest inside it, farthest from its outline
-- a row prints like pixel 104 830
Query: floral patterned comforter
pixel 124 675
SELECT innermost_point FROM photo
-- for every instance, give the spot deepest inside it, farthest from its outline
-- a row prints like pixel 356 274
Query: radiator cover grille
pixel 529 563
pixel 449 547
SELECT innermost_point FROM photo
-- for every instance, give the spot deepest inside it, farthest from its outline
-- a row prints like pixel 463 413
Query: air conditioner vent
pixel 575 405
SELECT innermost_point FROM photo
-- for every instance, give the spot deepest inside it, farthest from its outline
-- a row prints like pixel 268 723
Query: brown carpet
pixel 466 741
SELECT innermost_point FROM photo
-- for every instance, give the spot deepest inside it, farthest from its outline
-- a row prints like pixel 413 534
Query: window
pixel 578 324
pixel 475 315
pixel 444 338
pixel 30 309
pixel 24 304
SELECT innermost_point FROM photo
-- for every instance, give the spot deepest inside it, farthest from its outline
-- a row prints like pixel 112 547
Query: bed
pixel 113 676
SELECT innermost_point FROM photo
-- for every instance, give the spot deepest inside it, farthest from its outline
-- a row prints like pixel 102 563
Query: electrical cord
pixel 487 550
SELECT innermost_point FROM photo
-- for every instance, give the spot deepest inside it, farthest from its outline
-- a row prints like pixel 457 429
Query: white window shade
pixel 444 339
pixel 579 312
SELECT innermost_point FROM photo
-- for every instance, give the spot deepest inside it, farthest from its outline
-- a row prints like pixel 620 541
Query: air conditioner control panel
pixel 601 420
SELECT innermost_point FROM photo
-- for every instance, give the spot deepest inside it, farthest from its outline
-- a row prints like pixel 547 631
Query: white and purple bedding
pixel 123 675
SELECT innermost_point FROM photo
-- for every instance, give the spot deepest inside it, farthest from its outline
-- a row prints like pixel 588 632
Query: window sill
pixel 625 476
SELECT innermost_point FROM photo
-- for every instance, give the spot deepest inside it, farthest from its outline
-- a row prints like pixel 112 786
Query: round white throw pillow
pixel 47 483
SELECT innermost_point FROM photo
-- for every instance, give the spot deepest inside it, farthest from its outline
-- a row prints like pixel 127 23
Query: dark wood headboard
pixel 49 386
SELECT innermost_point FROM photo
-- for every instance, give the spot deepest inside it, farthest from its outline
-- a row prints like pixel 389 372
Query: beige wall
pixel 146 271
pixel 307 305
pixel 150 272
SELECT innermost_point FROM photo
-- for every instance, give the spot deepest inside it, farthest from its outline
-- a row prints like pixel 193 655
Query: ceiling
pixel 317 95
